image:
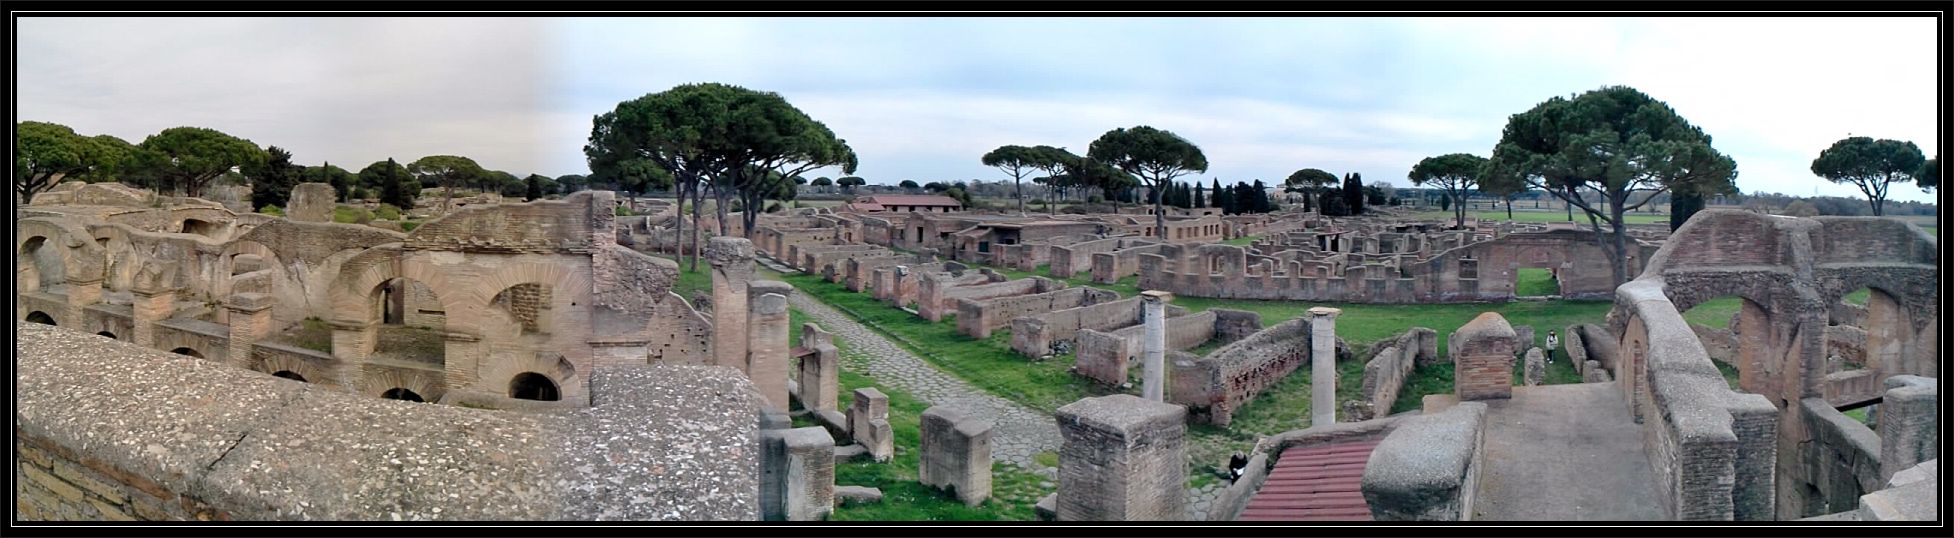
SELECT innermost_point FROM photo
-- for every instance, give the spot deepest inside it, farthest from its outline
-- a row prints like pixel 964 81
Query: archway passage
pixel 1735 333
pixel 40 317
pixel 187 351
pixel 402 394
pixel 199 227
pixel 110 335
pixel 288 374
pixel 533 386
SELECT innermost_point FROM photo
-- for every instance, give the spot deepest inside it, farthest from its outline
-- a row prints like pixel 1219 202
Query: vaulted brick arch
pixel 569 287
pixel 71 253
pixel 354 294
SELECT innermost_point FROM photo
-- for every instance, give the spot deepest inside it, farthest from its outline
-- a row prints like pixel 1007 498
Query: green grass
pixel 1367 323
pixel 409 225
pixel 310 333
pixel 1859 297
pixel 345 214
pixel 1014 491
pixel 1532 282
pixel 1729 373
pixel 1541 216
pixel 1242 241
pixel 1715 313
pixel 990 364
pixel 272 210
pixel 1860 415
pixel 694 283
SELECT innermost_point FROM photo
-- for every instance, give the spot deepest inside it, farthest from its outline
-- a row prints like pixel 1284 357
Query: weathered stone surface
pixel 868 423
pixel 1047 508
pixel 956 454
pixel 797 478
pixel 1909 429
pixel 1122 460
pixel 1536 367
pixel 1425 469
pixel 311 202
pixel 249 446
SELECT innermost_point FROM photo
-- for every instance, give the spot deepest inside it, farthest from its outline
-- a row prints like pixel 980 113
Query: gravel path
pixel 1020 431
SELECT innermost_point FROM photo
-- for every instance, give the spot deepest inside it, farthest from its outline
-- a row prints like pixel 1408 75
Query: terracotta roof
pixel 865 206
pixel 910 199
pixel 1318 483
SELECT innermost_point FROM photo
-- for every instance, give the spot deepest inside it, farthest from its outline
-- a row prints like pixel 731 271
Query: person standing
pixel 1553 341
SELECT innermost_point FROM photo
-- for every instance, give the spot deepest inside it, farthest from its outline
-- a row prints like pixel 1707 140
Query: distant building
pixel 929 203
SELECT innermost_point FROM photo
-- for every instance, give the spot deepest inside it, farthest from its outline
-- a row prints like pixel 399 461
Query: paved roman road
pixel 1020 431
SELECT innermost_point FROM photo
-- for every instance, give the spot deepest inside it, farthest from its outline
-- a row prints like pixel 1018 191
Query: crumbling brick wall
pixel 1213 387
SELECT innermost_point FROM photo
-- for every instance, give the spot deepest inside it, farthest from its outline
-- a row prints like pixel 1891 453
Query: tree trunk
pixel 697 198
pixel 1159 215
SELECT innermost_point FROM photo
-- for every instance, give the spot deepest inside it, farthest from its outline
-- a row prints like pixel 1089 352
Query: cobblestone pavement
pixel 1020 431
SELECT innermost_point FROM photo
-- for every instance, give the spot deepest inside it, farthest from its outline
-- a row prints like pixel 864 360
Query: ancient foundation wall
pixel 1034 333
pixel 1213 387
pixel 978 318
pixel 936 295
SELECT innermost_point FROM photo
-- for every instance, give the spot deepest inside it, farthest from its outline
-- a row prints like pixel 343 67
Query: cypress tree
pixel 1199 201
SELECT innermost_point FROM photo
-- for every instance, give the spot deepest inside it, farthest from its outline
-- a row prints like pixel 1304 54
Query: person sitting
pixel 1236 464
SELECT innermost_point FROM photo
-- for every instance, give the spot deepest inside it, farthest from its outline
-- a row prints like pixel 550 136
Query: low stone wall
pixel 1034 335
pixel 937 295
pixel 1842 458
pixel 1212 387
pixel 977 318
pixel 1386 371
pixel 108 430
pixel 1023 256
pixel 1105 356
pixel 1713 450
pixel 1428 469
pixel 1110 267
pixel 1069 260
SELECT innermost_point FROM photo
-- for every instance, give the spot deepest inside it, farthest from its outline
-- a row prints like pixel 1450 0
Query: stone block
pixel 1909 431
pixel 820 370
pixel 956 454
pixel 1426 469
pixel 1536 367
pixel 797 477
pixel 1122 460
pixel 857 495
pixel 868 423
pixel 1484 358
pixel 1594 373
pixel 311 202
pixel 1047 508
pixel 1525 335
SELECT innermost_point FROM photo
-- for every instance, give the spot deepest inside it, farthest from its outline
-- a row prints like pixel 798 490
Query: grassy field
pixel 1532 282
pixel 1716 313
pixel 1013 491
pixel 1242 241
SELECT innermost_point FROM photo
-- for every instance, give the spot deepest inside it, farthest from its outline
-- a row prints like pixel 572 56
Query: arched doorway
pixel 402 394
pixel 534 386
pixel 40 267
pixel 288 374
pixel 1736 333
pixel 187 351
pixel 110 335
pixel 40 317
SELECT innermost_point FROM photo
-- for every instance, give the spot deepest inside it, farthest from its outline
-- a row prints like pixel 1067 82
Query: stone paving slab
pixel 1564 453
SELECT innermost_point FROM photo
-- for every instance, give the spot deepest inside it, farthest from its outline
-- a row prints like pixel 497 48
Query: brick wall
pixel 1212 387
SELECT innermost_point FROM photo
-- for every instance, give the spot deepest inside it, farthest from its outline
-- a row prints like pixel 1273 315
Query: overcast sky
pixel 923 98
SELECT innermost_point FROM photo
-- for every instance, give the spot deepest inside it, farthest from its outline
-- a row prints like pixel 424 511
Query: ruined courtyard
pixel 543 317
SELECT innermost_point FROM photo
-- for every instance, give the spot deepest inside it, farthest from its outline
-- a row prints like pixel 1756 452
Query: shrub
pixel 387 212
pixel 623 211
pixel 409 225
pixel 351 215
pixel 272 210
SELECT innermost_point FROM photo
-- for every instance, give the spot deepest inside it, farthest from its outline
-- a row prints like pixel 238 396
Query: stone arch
pixel 59 251
pixel 227 265
pixel 201 227
pixel 569 287
pixel 187 350
pixel 41 318
pixel 502 368
pixel 306 371
pixel 430 386
pixel 354 294
pixel 402 394
pixel 534 386
pixel 110 335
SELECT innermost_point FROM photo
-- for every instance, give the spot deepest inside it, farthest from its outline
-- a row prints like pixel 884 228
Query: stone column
pixel 351 344
pixel 956 454
pixel 1323 365
pixel 1122 460
pixel 152 305
pixel 732 269
pixel 250 322
pixel 1154 345
pixel 766 339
